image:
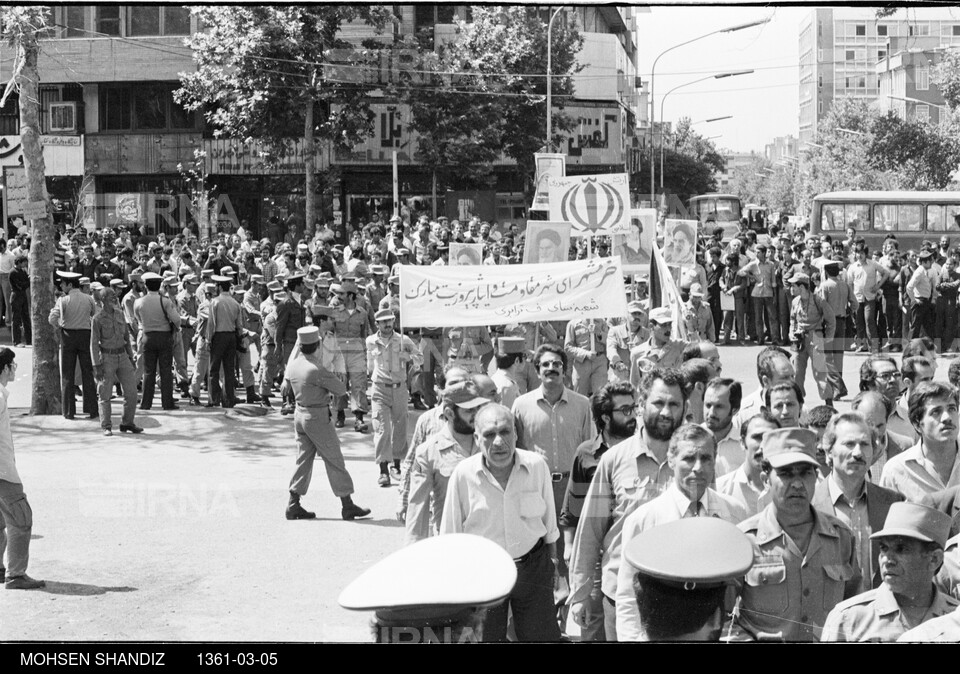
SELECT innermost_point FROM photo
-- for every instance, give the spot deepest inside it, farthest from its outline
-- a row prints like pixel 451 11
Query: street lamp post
pixel 663 100
pixel 556 12
pixel 653 69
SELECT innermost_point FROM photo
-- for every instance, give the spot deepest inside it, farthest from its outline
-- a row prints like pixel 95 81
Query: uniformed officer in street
pixel 269 358
pixel 390 356
pixel 805 561
pixel 684 569
pixel 437 590
pixel 158 319
pixel 658 351
pixel 70 318
pixel 623 337
pixel 291 316
pixel 112 359
pixel 586 346
pixel 311 385
pixel 188 304
pixel 911 550
pixel 224 326
pixel 352 331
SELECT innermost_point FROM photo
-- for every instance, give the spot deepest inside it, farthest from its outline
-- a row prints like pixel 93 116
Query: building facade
pixel 905 85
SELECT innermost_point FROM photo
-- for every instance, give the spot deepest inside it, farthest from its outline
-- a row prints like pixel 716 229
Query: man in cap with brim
pixel 112 358
pixel 392 299
pixel 586 345
pixel 448 582
pixel 70 318
pixel 699 318
pixel 352 328
pixel 224 328
pixel 510 357
pixel 682 572
pixel 245 338
pixel 201 368
pixel 787 595
pixel 658 351
pixel 922 291
pixel 390 357
pixel 622 338
pixel 812 324
pixel 436 458
pixel 310 386
pixel 911 551
pixel 158 319
pixel 188 304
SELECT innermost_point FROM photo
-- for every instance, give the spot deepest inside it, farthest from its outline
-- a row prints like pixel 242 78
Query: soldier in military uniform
pixel 911 551
pixel 268 342
pixel 658 351
pixel 623 337
pixel 188 304
pixel 586 345
pixel 112 359
pixel 158 319
pixel 246 337
pixel 223 328
pixel 683 570
pixel 466 347
pixel 70 318
pixel 352 331
pixel 311 385
pixel 390 356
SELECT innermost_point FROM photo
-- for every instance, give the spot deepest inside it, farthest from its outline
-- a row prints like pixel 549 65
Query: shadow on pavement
pixel 81 589
pixel 385 522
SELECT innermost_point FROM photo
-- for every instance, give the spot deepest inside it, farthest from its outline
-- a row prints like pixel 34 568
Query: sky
pixel 763 104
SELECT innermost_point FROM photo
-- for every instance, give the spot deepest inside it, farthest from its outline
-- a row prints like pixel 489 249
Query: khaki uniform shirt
pixel 876 616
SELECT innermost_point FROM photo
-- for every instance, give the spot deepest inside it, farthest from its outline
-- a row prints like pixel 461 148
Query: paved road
pixel 179 534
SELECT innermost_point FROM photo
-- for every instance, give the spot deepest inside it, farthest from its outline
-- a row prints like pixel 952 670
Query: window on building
pixel 176 21
pixel 860 29
pixel 923 113
pixel 142 107
pixel 881 54
pixel 846 82
pixel 148 20
pixel 861 83
pixel 881 30
pixel 956 31
pixel 115 109
pixel 108 20
pixel 74 21
pixel 10 116
pixel 850 55
pixel 923 79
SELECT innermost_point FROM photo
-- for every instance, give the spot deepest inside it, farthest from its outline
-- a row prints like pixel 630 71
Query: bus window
pixel 935 220
pixel 858 216
pixel 885 217
pixel 831 218
pixel 909 217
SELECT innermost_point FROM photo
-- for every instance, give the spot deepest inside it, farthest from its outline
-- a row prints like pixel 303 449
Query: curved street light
pixel 653 70
pixel 663 100
pixel 556 12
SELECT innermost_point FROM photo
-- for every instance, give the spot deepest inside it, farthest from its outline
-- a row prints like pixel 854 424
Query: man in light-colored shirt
pixel 932 464
pixel 691 455
pixel 773 367
pixel 866 277
pixel 721 402
pixel 71 318
pixel 763 272
pixel 504 494
pixel 922 290
pixel 746 483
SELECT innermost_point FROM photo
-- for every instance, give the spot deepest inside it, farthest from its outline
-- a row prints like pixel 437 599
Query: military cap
pixel 925 255
pixel 308 335
pixel 237 290
pixel 379 269
pixel 322 310
pixel 349 287
pixel 916 521
pixel 84 280
pixel 323 282
pixel 336 288
pixel 442 577
pixel 511 345
pixel 309 282
pixel 221 279
pixel 280 296
pixel 315 269
pixel 384 315
pixel 256 278
pixel 786 446
pixel 325 275
pixel 394 279
pixel 152 245
pixel 150 276
pixel 209 287
pixel 463 394
pixel 136 276
pixel 302 246
pixel 635 306
pixel 349 277
pixel 403 251
pixel 396 218
pixel 294 278
pixel 172 281
pixel 117 283
pixel 274 286
pixel 661 315
pixel 696 290
pixel 206 273
pixel 694 553
pixel 96 285
pixel 227 271
pixel 190 279
pixel 799 277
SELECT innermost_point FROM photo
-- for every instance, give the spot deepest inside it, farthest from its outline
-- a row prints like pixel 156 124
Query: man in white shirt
pixel 866 277
pixel 16 517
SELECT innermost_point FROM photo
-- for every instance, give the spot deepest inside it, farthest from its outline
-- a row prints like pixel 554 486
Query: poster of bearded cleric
pixel 680 242
pixel 635 248
pixel 546 242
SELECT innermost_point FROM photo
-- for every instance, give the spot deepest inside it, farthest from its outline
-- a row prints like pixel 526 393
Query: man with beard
pixel 553 420
pixel 658 351
pixel 846 494
pixel 805 561
pixel 691 456
pixel 747 483
pixel 436 458
pixel 614 410
pixel 628 475
pixel 932 464
pixel 911 546
pixel 721 402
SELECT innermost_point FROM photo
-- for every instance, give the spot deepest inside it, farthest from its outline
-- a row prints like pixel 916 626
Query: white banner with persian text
pixel 521 293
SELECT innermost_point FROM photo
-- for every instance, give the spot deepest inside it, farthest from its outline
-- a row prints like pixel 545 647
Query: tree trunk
pixel 310 168
pixel 46 367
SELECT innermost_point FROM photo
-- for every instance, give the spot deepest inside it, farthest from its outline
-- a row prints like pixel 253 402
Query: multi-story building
pixel 841 46
pixel 904 75
pixel 108 75
pixel 782 148
pixel 731 162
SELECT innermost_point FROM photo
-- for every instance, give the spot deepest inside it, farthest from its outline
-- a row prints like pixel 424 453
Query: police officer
pixel 658 351
pixel 448 582
pixel 70 318
pixel 224 325
pixel 390 356
pixel 812 324
pixel 586 345
pixel 683 571
pixel 310 385
pixel 112 359
pixel 352 331
pixel 911 550
pixel 268 342
pixel 158 319
pixel 291 316
pixel 623 337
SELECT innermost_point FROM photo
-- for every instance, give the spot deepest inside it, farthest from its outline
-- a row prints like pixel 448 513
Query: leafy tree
pixel 22 28
pixel 262 74
pixel 761 182
pixel 690 162
pixel 946 75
